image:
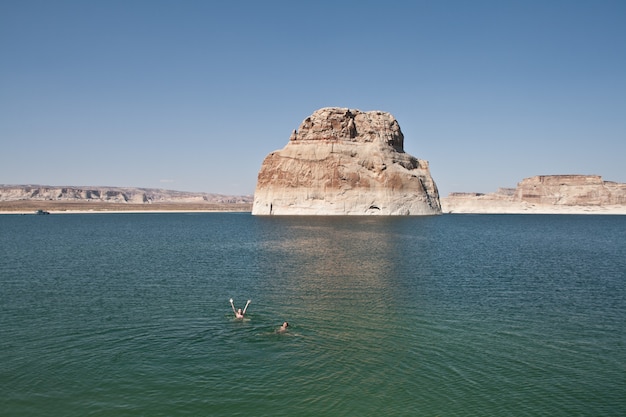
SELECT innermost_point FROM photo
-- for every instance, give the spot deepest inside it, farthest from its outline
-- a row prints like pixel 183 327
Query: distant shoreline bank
pixel 494 206
pixel 71 207
pixel 484 207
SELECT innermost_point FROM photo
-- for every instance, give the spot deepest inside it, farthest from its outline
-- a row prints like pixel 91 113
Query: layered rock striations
pixel 345 162
pixel 545 194
pixel 570 190
pixel 128 195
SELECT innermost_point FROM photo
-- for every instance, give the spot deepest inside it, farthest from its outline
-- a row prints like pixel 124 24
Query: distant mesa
pixel 570 190
pixel 345 162
pixel 545 194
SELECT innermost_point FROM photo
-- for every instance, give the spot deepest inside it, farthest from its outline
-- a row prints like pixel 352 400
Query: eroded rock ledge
pixel 345 162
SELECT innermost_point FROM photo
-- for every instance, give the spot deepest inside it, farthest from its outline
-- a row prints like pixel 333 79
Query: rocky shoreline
pixel 551 194
pixel 456 205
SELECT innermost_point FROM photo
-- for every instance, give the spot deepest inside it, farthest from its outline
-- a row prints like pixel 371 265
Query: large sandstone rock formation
pixel 576 194
pixel 345 162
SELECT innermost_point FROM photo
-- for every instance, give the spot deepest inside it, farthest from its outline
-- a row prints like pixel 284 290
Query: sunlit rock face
pixel 345 162
pixel 570 190
pixel 552 194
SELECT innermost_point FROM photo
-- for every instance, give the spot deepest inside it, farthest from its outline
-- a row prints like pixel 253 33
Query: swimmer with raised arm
pixel 239 313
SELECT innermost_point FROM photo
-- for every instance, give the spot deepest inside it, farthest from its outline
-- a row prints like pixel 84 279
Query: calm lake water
pixel 453 315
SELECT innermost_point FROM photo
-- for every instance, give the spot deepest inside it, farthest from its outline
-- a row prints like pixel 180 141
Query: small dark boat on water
pixel 42 212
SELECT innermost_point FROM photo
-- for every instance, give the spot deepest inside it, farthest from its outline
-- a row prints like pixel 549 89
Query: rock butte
pixel 345 162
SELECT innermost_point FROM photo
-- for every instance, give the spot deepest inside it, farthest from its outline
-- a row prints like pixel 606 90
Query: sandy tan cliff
pixel 345 162
pixel 565 194
pixel 570 190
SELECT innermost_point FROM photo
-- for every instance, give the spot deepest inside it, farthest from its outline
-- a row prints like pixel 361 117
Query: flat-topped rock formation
pixel 128 195
pixel 545 194
pixel 345 162
pixel 570 190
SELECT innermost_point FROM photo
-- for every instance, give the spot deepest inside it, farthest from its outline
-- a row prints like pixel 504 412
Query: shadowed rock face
pixel 345 162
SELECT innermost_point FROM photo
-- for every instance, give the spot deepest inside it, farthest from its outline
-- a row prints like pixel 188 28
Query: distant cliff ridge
pixel 547 194
pixel 128 195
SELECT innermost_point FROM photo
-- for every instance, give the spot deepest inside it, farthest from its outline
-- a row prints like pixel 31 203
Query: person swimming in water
pixel 283 328
pixel 239 313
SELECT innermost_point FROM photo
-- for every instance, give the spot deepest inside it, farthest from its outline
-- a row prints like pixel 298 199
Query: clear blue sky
pixel 192 95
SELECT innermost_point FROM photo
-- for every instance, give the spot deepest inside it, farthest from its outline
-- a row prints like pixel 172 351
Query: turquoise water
pixel 453 315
